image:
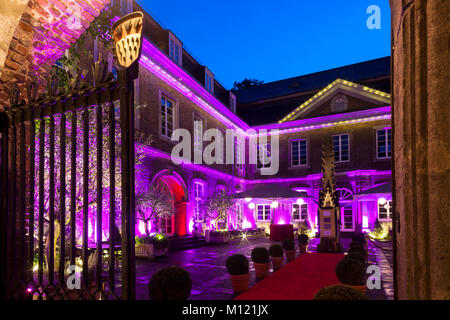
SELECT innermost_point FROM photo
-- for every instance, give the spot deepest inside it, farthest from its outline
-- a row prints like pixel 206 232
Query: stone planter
pixel 277 262
pixel 150 251
pixel 261 269
pixel 240 282
pixel 290 254
pixel 218 237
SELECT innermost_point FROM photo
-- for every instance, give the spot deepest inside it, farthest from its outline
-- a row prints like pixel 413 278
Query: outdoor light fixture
pixel 128 38
pixel 382 201
pixel 251 205
pixel 300 201
pixel 274 204
pixel 248 199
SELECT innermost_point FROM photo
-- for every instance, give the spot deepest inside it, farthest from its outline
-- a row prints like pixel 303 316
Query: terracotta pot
pixel 303 247
pixel 261 269
pixel 290 254
pixel 277 262
pixel 240 282
pixel 361 287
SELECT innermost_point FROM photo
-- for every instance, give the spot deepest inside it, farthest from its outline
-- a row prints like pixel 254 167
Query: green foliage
pixel 288 244
pixel 339 292
pixel 159 240
pixel 237 264
pixel 260 255
pixel 350 271
pixel 381 230
pixel 246 83
pixel 218 206
pixel 170 283
pixel 276 251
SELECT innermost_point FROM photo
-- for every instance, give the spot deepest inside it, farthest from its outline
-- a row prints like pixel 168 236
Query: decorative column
pixel 420 82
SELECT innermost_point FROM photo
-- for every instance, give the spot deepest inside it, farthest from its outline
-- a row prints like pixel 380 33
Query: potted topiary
pixel 351 273
pixel 303 242
pixel 261 261
pixel 289 249
pixel 358 249
pixel 237 267
pixel 276 254
pixel 170 283
pixel 356 256
pixel 339 292
pixel 151 246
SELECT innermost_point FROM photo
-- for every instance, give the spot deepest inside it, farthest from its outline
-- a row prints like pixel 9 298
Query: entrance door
pixel 167 226
pixel 347 218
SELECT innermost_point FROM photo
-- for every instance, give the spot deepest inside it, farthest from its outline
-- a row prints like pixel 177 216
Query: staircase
pixel 186 243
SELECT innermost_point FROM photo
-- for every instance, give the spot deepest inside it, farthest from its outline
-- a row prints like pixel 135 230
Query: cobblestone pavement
pixel 210 279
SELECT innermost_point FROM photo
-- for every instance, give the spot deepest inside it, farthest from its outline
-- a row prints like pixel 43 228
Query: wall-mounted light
pixel 251 205
pixel 300 201
pixel 248 199
pixel 274 204
pixel 382 201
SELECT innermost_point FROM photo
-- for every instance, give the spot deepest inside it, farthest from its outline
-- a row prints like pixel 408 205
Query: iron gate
pixel 67 188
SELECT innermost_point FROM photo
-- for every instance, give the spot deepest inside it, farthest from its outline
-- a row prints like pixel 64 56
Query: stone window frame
pixel 176 56
pixel 340 149
pixel 175 115
pixel 291 141
pixel 333 103
pixel 267 217
pixel 381 128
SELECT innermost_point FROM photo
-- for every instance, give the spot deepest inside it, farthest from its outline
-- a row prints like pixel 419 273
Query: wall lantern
pixel 382 201
pixel 274 204
pixel 128 38
pixel 251 205
pixel 248 199
pixel 300 201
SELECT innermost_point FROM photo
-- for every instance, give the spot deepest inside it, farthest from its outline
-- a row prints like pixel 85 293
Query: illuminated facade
pixel 351 104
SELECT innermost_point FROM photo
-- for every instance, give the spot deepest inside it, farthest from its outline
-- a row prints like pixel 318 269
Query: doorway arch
pixel 173 185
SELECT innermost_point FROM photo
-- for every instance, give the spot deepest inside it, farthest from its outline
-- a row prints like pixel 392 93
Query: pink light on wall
pixel 365 222
pixel 246 224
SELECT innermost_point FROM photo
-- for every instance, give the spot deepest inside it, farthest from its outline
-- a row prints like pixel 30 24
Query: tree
pixel 218 206
pixel 246 83
pixel 153 205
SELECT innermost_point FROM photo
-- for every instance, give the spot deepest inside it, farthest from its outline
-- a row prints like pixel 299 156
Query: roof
pixel 357 72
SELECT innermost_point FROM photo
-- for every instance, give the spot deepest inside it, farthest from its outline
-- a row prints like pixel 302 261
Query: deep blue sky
pixel 274 39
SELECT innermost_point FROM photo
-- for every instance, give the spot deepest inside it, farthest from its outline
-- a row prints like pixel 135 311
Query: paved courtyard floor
pixel 210 279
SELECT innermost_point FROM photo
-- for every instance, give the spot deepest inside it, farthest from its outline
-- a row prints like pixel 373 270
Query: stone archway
pixel 175 184
pixel 35 33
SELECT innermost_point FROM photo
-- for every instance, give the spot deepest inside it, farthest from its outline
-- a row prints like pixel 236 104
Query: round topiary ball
pixel 260 255
pixel 350 271
pixel 356 256
pixel 170 283
pixel 276 251
pixel 288 244
pixel 359 250
pixel 303 239
pixel 339 292
pixel 237 264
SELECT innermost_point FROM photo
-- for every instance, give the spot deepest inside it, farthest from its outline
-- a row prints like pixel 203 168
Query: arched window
pixel 339 103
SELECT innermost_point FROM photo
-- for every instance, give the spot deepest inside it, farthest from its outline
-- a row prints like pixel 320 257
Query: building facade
pixel 350 105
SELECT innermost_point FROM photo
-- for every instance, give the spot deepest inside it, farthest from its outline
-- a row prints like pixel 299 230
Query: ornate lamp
pixel 127 33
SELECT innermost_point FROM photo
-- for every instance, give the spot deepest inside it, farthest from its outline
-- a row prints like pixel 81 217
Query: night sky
pixel 271 40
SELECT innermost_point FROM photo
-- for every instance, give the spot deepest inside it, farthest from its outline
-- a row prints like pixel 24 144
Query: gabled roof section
pixel 329 90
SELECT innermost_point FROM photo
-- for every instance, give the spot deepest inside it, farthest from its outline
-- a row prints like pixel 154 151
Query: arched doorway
pixel 347 213
pixel 172 185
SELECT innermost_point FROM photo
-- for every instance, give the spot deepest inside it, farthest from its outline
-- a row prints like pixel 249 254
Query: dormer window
pixel 209 81
pixel 232 102
pixel 339 103
pixel 175 49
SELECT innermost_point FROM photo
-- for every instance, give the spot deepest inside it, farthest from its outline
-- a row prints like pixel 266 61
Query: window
pixel 198 201
pixel 167 116
pixel 384 143
pixel 198 134
pixel 175 50
pixel 238 212
pixel 263 212
pixel 232 102
pixel 263 156
pixel 339 104
pixel 341 147
pixel 385 210
pixel 347 217
pixel 300 211
pixel 239 155
pixel 221 189
pixel 209 81
pixel 299 153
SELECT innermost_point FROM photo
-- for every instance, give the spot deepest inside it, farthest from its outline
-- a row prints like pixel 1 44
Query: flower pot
pixel 277 262
pixel 303 247
pixel 148 250
pixel 261 269
pixel 240 282
pixel 362 288
pixel 290 254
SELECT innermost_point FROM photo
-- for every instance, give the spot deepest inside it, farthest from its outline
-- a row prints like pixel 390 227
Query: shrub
pixel 339 292
pixel 260 255
pixel 288 244
pixel 350 271
pixel 276 251
pixel 359 237
pixel 237 264
pixel 328 245
pixel 356 256
pixel 170 283
pixel 359 250
pixel 303 239
pixel 159 241
pixel 356 244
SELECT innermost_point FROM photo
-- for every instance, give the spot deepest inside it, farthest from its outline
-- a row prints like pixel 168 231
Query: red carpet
pixel 298 280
